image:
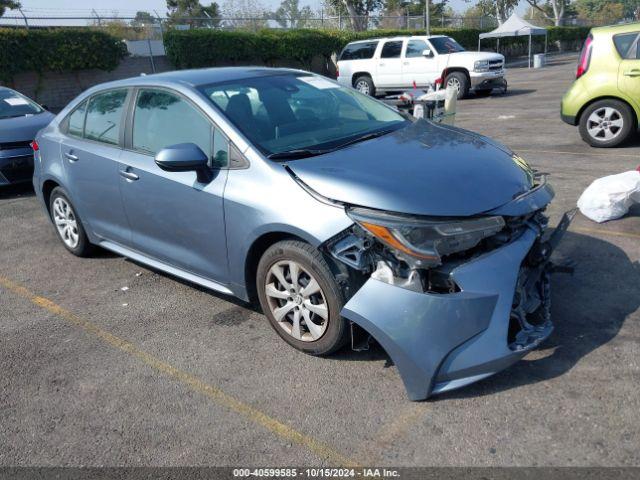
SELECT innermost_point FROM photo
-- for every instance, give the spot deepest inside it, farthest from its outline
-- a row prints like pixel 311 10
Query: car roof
pixel 613 29
pixel 198 77
pixel 397 37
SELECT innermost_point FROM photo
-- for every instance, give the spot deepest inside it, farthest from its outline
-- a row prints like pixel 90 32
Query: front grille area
pixel 18 169
pixel 495 65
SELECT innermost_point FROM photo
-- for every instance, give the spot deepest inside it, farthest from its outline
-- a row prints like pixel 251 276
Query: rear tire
pixel 606 123
pixel 460 81
pixel 301 298
pixel 68 224
pixel 364 84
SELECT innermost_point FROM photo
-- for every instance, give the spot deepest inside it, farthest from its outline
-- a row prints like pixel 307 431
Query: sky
pixel 129 7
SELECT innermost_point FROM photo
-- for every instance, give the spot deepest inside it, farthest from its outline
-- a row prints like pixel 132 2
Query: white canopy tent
pixel 514 26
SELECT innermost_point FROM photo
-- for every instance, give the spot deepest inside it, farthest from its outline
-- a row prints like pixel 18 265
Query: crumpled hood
pixel 421 169
pixel 22 129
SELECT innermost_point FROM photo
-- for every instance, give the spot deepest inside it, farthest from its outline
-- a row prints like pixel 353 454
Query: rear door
pixel 90 153
pixel 628 46
pixel 175 218
pixel 389 68
pixel 416 67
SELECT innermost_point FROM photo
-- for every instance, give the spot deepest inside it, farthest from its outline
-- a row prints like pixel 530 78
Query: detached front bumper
pixel 440 342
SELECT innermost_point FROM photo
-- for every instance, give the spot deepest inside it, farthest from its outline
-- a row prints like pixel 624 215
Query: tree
pixel 357 10
pixel 249 14
pixel 142 19
pixel 500 9
pixel 192 13
pixel 8 4
pixel 600 11
pixel 552 10
pixel 289 14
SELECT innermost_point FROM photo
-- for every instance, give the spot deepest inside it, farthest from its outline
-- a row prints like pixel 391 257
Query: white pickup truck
pixel 383 65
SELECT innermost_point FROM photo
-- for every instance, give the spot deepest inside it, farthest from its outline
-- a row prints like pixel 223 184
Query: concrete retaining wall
pixel 55 90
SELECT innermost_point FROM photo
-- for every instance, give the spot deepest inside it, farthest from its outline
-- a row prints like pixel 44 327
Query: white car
pixel 382 65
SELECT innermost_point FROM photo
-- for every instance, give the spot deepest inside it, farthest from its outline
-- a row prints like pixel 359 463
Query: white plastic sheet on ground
pixel 608 198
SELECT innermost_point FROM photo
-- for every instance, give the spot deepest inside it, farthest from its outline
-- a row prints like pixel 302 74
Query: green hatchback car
pixel 604 100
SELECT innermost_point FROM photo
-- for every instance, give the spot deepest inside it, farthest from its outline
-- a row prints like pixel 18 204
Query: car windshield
pixel 444 45
pixel 298 112
pixel 12 104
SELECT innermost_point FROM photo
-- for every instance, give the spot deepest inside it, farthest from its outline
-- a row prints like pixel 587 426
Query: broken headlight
pixel 426 240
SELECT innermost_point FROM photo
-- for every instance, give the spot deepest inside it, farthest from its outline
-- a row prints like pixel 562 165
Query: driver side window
pixel 162 118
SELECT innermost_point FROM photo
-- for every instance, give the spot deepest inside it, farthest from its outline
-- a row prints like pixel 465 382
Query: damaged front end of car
pixel 451 300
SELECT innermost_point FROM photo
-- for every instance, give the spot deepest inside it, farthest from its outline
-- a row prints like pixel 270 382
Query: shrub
pixel 61 49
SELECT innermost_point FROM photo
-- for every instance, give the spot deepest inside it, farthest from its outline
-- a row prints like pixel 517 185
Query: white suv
pixel 390 64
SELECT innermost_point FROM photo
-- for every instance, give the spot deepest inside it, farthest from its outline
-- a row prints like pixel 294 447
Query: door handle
pixel 634 72
pixel 382 64
pixel 405 63
pixel 129 176
pixel 71 156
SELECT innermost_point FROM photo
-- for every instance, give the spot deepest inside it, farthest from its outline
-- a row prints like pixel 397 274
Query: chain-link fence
pixel 135 28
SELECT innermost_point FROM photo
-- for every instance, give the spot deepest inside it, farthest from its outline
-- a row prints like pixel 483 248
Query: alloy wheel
pixel 296 301
pixel 66 223
pixel 363 87
pixel 605 124
pixel 455 83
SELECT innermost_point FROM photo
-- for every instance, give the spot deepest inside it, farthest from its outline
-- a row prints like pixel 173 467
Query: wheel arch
pixel 449 70
pixel 254 254
pixel 47 188
pixel 608 97
pixel 356 75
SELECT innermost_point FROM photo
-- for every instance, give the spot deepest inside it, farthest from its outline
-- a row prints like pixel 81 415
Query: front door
pixel 389 68
pixel 90 153
pixel 417 67
pixel 175 218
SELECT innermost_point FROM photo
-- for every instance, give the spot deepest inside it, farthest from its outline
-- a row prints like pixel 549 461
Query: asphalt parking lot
pixel 105 362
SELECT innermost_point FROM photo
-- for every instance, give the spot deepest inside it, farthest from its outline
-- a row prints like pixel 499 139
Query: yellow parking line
pixel 605 232
pixel 371 452
pixel 213 393
pixel 584 154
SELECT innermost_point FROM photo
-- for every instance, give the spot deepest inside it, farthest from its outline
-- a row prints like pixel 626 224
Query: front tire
pixel 460 81
pixel 606 123
pixel 301 297
pixel 68 224
pixel 364 84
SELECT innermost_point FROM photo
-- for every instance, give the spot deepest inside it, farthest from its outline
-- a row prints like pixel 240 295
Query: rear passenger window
pixel 623 43
pixel 359 51
pixel 76 120
pixel 104 116
pixel 391 50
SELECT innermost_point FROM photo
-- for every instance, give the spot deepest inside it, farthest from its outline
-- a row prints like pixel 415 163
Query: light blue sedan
pixel 346 220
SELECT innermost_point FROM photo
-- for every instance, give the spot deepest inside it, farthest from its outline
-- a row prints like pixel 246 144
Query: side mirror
pixel 427 53
pixel 185 157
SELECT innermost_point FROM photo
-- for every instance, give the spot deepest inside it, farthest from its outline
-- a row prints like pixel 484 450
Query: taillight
pixel 585 57
pixel 35 146
pixel 337 71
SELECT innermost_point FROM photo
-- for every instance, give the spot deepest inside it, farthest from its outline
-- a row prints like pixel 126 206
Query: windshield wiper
pixel 296 153
pixel 307 152
pixel 363 138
